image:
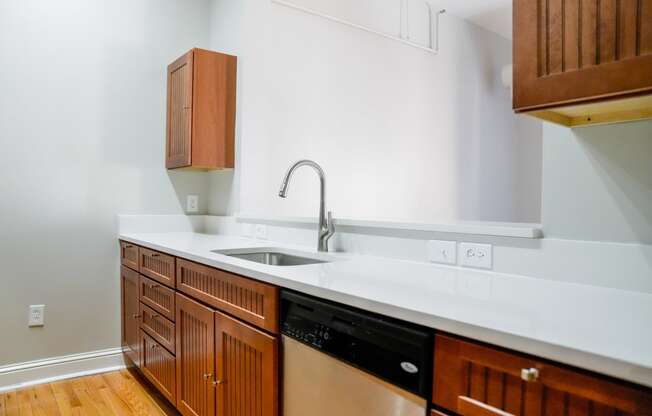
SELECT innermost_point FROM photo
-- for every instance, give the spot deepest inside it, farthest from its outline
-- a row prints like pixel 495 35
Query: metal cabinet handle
pixel 129 246
pixel 207 376
pixel 156 315
pixel 155 254
pixel 154 286
pixel 217 382
pixel 136 316
pixel 154 346
pixel 529 374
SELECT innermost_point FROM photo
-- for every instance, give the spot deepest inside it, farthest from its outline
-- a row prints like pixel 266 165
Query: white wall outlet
pixel 261 232
pixel 192 203
pixel 442 251
pixel 476 255
pixel 36 315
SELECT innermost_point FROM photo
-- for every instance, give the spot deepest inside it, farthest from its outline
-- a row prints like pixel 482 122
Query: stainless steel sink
pixel 272 257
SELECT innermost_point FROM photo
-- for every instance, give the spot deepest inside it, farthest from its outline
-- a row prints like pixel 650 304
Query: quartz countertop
pixel 599 329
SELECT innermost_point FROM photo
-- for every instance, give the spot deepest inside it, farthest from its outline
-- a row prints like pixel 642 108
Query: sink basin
pixel 272 257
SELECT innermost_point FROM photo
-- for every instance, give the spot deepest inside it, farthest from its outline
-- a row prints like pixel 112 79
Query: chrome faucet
pixel 326 226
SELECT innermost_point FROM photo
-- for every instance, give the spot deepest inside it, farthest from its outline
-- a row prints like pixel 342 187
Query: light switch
pixel 442 251
pixel 192 203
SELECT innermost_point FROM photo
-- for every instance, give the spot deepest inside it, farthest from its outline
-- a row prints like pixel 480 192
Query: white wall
pixel 597 183
pixel 82 127
pixel 402 134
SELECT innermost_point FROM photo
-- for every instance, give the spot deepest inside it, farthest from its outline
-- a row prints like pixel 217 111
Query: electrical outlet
pixel 261 232
pixel 476 255
pixel 442 251
pixel 192 203
pixel 36 315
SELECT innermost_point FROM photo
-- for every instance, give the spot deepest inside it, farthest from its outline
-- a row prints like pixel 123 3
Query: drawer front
pixel 157 297
pixel 158 327
pixel 157 266
pixel 159 366
pixel 129 255
pixel 474 379
pixel 253 302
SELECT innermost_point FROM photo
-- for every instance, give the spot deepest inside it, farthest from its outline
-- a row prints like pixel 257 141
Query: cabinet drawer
pixel 474 379
pixel 157 266
pixel 157 297
pixel 159 366
pixel 249 300
pixel 129 255
pixel 158 327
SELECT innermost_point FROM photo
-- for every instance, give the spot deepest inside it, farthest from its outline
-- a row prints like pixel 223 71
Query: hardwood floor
pixel 122 393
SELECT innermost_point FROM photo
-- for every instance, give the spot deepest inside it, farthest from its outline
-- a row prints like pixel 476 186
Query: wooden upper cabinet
pixel 473 379
pixel 581 62
pixel 130 314
pixel 201 111
pixel 247 369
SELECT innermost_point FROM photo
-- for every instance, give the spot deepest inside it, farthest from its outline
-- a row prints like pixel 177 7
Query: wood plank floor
pixel 122 393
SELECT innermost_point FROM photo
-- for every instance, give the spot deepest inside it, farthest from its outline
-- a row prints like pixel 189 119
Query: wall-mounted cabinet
pixel 201 111
pixel 583 62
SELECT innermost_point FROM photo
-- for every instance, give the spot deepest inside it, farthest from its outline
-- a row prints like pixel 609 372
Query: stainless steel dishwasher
pixel 343 361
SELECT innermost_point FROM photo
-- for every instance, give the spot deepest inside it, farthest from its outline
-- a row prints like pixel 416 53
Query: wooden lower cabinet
pixel 130 307
pixel 247 375
pixel 473 379
pixel 195 339
pixel 159 366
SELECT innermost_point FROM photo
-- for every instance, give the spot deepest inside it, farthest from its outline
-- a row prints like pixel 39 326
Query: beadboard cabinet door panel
pixel 179 118
pixel 195 358
pixel 130 314
pixel 159 366
pixel 247 369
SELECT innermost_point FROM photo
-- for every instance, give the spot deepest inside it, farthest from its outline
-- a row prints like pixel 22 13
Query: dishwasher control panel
pixel 398 352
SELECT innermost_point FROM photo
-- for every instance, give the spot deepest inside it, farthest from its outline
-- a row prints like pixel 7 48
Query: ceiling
pixel 494 15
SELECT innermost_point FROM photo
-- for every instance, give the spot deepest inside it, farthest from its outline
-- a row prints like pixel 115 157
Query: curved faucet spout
pixel 326 227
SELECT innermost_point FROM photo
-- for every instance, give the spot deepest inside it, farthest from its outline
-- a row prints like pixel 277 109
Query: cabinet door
pixel 157 297
pixel 247 369
pixel 130 314
pixel 195 358
pixel 576 51
pixel 157 266
pixel 179 112
pixel 473 379
pixel 158 365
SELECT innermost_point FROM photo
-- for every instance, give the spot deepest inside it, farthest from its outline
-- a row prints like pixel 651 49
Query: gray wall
pixel 597 183
pixel 82 127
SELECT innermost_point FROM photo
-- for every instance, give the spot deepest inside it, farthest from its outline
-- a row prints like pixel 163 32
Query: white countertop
pixel 600 329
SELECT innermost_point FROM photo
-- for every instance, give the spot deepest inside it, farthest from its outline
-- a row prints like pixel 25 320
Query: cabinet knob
pixel 207 376
pixel 530 374
pixel 218 382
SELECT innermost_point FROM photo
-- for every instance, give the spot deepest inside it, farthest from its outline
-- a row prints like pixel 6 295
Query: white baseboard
pixel 21 375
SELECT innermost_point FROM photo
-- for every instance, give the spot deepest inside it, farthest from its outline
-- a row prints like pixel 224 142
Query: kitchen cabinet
pixel 130 307
pixel 252 301
pixel 474 379
pixel 158 365
pixel 195 358
pixel 201 111
pixel 583 62
pixel 246 376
